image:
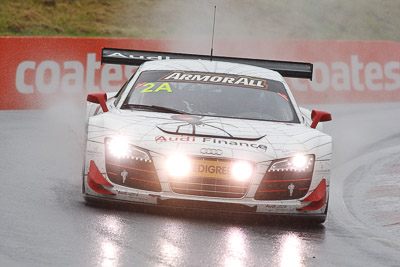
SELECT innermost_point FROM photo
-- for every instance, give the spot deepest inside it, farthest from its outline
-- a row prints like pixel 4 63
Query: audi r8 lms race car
pixel 218 133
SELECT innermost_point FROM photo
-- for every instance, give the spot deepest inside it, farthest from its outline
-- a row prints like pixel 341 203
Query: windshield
pixel 212 94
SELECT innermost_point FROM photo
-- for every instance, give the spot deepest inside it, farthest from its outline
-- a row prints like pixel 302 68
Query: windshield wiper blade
pixel 153 108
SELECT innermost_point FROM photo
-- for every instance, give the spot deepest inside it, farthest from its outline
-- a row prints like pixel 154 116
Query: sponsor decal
pixel 214 169
pixel 291 188
pixel 234 143
pixel 209 140
pixel 195 122
pixel 131 55
pixel 211 151
pixel 93 149
pixel 131 194
pixel 215 78
pixel 268 206
pixel 94 153
pixel 163 139
pixel 124 174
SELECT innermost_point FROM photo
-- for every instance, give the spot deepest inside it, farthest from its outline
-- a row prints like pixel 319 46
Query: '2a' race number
pixel 150 88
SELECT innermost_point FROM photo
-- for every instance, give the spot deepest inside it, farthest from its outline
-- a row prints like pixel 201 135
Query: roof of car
pixel 211 66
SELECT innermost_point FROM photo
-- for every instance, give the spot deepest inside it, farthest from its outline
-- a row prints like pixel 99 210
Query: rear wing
pixel 137 57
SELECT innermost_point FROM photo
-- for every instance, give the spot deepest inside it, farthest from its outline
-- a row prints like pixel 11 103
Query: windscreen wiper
pixel 152 108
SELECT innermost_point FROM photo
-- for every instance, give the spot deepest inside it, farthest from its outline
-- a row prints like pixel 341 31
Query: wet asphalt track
pixel 44 221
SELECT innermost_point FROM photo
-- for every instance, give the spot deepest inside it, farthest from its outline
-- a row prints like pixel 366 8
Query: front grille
pixel 223 187
pixel 284 185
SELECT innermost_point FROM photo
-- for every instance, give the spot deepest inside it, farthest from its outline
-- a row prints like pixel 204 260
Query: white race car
pixel 193 132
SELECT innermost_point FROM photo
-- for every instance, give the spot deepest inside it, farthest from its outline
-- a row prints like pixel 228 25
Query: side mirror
pixel 319 116
pixel 98 98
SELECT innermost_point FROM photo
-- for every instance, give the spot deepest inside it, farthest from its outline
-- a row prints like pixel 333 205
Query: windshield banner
pixel 234 80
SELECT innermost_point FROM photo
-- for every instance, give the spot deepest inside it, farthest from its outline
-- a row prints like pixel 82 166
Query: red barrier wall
pixel 36 70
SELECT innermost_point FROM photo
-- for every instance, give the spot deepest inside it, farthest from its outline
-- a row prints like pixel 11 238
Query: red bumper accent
pixel 317 197
pixel 96 180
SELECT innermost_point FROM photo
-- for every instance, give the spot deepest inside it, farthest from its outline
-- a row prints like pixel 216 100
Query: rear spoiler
pixel 137 57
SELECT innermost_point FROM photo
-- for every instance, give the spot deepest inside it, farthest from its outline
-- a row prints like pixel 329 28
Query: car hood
pixel 164 133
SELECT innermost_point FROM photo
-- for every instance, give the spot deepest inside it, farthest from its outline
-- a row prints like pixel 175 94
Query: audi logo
pixel 211 151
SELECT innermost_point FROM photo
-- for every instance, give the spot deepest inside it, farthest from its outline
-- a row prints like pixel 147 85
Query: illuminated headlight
pixel 178 165
pixel 242 170
pixel 119 147
pixel 298 163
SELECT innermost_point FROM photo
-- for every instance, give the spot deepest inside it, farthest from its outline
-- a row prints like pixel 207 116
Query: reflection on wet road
pixel 44 221
pixel 176 238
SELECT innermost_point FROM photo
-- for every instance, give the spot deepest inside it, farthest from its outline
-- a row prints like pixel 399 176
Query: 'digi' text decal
pixel 208 140
pixel 214 78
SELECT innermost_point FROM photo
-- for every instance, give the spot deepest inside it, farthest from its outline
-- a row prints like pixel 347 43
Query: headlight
pixel 242 171
pixel 298 163
pixel 119 147
pixel 178 165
